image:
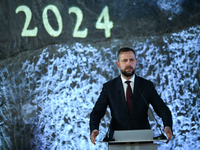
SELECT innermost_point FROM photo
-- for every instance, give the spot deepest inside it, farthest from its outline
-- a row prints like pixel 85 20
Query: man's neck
pixel 127 78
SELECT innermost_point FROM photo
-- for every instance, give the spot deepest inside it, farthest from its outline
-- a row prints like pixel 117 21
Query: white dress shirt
pixel 125 85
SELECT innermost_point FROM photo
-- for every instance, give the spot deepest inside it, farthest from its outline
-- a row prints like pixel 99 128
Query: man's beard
pixel 128 73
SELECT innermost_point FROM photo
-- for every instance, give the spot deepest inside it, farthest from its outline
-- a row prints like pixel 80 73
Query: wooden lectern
pixel 132 140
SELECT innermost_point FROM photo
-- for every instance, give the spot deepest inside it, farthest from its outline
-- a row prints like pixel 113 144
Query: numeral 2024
pixel 103 22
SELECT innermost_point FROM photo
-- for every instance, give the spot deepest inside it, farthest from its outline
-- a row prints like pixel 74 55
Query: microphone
pixel 107 137
pixel 162 136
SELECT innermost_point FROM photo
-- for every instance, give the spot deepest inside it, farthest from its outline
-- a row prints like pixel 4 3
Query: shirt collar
pixel 132 79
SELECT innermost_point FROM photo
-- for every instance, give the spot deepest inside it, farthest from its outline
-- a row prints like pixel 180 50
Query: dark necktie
pixel 129 96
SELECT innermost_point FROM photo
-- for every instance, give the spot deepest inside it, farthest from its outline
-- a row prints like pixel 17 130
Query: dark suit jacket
pixel 112 95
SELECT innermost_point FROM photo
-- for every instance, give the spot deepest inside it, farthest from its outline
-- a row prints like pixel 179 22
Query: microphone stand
pixel 162 136
pixel 107 137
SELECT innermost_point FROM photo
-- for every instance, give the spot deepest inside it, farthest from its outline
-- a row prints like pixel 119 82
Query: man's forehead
pixel 127 55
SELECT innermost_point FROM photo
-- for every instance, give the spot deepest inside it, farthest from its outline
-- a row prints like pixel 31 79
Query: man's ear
pixel 117 63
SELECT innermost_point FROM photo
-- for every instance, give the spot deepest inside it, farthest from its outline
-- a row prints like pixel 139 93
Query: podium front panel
pixel 132 146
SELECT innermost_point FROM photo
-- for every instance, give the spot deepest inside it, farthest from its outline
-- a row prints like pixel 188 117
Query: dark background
pixel 131 18
pixel 49 85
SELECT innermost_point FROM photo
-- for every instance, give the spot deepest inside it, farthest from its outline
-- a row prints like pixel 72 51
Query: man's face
pixel 127 64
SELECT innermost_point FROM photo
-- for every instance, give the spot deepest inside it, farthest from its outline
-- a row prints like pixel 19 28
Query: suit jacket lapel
pixel 135 92
pixel 121 97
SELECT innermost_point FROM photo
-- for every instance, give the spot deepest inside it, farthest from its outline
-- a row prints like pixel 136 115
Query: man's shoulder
pixel 141 78
pixel 143 81
pixel 118 79
pixel 113 81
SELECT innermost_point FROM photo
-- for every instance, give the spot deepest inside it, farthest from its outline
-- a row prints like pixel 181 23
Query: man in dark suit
pixel 128 97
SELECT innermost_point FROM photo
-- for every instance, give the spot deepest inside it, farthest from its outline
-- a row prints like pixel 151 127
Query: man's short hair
pixel 125 49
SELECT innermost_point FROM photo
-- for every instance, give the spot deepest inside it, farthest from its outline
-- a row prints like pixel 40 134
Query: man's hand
pixel 93 136
pixel 168 132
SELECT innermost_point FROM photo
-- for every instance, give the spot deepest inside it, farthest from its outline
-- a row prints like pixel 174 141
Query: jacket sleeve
pixel 99 110
pixel 160 107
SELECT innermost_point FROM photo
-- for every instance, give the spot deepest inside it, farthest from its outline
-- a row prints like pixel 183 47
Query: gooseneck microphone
pixel 107 137
pixel 162 136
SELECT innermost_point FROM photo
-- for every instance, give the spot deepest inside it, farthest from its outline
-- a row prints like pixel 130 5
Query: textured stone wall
pixel 48 86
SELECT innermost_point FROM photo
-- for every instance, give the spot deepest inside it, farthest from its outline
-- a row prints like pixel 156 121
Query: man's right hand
pixel 93 136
